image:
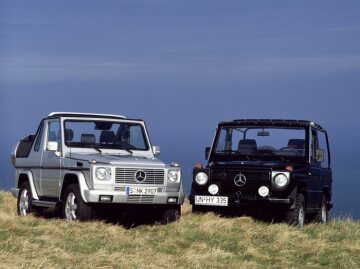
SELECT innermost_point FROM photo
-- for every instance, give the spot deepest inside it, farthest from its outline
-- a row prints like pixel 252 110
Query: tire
pixel 24 201
pixel 171 214
pixel 74 208
pixel 323 214
pixel 296 217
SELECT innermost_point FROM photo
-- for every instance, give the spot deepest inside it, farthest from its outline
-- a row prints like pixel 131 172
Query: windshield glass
pixel 260 142
pixel 105 134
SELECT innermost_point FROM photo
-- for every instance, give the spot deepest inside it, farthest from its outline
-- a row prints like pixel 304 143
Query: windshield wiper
pixel 128 150
pixel 97 149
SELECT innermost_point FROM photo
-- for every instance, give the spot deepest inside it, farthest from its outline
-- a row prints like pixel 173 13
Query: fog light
pixel 172 200
pixel 213 189
pixel 263 191
pixel 105 198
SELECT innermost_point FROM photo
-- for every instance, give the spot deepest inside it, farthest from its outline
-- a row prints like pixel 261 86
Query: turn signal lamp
pixel 198 165
pixel 289 168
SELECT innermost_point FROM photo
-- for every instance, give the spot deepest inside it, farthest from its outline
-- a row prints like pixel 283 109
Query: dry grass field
pixel 195 241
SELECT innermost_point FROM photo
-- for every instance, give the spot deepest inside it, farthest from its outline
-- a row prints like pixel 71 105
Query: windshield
pixel 261 142
pixel 105 134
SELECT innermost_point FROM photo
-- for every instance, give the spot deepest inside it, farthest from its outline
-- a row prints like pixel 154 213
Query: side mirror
pixel 156 150
pixel 319 155
pixel 207 151
pixel 52 146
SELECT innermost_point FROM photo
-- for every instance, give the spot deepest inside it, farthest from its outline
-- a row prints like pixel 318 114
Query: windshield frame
pixel 214 156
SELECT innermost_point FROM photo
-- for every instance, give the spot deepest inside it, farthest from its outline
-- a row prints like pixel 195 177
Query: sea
pixel 346 182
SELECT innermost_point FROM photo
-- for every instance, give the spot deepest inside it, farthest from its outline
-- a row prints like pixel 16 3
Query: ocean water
pixel 346 180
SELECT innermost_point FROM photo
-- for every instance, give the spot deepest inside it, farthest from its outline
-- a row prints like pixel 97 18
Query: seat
pixel 107 137
pixel 88 139
pixel 296 143
pixel 69 134
pixel 247 146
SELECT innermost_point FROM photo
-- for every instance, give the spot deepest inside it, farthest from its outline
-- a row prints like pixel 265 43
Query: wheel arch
pixel 73 177
pixel 27 176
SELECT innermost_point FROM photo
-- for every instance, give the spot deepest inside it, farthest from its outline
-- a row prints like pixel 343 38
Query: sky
pixel 183 66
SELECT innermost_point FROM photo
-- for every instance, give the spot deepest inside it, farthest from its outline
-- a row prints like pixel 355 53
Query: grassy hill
pixel 205 241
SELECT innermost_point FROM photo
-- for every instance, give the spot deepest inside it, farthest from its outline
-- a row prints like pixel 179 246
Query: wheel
pixel 74 207
pixel 296 216
pixel 323 213
pixel 24 201
pixel 171 214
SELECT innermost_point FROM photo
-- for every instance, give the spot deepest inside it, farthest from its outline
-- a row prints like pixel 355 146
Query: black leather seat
pixel 107 137
pixel 296 143
pixel 247 146
pixel 69 135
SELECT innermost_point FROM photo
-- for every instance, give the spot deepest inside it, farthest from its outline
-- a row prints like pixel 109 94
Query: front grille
pixel 127 176
pixel 140 199
pixel 254 179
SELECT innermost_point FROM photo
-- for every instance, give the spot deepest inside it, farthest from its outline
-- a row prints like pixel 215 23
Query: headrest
pixel 296 143
pixel 69 134
pixel 107 137
pixel 247 145
pixel 88 139
pixel 249 142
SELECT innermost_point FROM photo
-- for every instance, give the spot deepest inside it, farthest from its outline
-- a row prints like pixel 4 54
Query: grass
pixel 195 241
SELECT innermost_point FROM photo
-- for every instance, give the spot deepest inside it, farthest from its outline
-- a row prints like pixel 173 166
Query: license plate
pixel 141 190
pixel 211 200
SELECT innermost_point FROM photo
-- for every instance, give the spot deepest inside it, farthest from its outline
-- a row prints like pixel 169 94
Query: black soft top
pixel 271 122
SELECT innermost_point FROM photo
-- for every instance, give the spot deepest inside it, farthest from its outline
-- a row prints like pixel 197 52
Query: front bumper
pixel 120 197
pixel 243 201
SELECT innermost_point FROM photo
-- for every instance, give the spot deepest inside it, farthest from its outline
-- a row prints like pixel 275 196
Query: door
pixel 314 190
pixel 50 162
pixel 34 159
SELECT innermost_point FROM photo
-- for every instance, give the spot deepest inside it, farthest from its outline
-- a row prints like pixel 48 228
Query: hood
pixel 118 159
pixel 258 164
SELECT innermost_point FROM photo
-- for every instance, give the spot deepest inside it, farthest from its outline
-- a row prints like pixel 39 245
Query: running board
pixel 44 203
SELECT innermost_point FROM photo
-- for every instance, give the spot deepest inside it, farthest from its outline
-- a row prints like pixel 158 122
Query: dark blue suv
pixel 277 166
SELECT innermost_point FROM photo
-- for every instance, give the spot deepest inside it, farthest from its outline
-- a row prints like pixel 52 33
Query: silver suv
pixel 82 162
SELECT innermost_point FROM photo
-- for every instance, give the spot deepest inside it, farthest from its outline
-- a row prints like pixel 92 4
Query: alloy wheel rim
pixel 24 203
pixel 301 216
pixel 323 214
pixel 70 207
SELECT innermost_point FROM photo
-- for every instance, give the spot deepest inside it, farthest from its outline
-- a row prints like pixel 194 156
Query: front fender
pixel 82 182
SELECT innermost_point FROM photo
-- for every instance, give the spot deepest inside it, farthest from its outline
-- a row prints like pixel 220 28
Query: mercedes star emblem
pixel 140 175
pixel 240 180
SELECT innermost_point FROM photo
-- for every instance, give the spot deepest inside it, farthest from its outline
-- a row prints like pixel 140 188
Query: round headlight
pixel 213 189
pixel 281 180
pixel 101 173
pixel 173 176
pixel 263 191
pixel 201 178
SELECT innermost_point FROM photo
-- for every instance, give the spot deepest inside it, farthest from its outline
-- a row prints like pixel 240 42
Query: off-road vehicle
pixel 80 162
pixel 277 166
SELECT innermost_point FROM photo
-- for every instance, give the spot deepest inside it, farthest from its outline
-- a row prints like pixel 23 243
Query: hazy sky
pixel 183 66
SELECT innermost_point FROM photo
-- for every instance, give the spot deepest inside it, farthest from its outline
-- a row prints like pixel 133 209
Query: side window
pixel 39 138
pixel 323 146
pixel 53 133
pixel 314 146
pixel 136 137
